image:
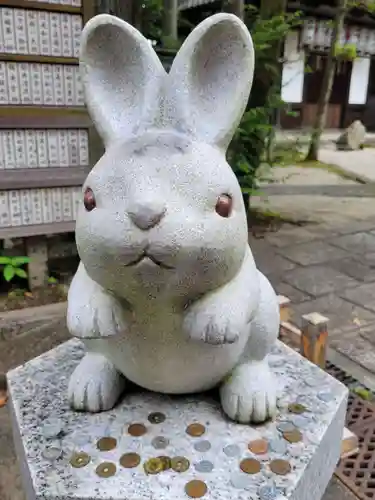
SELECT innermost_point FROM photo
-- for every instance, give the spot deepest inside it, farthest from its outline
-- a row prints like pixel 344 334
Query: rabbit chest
pixel 156 354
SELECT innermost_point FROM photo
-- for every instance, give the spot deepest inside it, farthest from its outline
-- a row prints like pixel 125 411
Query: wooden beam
pixel 30 4
pixel 35 58
pixel 314 338
pixel 43 117
pixel 28 178
pixel 37 229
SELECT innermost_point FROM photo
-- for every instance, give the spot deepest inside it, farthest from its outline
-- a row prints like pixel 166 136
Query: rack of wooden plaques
pixel 44 126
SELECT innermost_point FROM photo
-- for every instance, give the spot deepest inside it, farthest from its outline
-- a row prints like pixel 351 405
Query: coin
pixel 285 426
pixel 293 436
pixel 278 446
pixel 79 460
pixel 166 462
pixel 160 442
pixel 268 492
pixel 297 408
pixel 204 466
pixel 130 460
pixel 258 447
pixel 202 446
pixel 106 444
pixel 250 466
pixel 156 418
pixel 196 430
pixel 52 452
pixel 196 489
pixel 180 464
pixel 137 430
pixel 153 466
pixel 106 469
pixel 300 422
pixel 232 450
pixel 326 397
pixel 280 467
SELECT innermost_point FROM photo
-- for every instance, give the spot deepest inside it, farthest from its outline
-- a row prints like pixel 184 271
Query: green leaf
pixel 5 260
pixel 19 261
pixel 21 273
pixel 8 272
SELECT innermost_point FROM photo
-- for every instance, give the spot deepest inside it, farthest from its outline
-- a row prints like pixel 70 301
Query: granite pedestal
pixel 48 434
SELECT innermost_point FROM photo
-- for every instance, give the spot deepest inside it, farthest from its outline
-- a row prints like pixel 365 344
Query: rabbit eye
pixel 89 200
pixel 224 205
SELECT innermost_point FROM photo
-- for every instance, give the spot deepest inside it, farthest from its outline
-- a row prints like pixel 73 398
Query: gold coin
pixel 180 464
pixel 280 467
pixel 196 430
pixel 137 430
pixel 258 447
pixel 196 489
pixel 79 460
pixel 250 466
pixel 153 466
pixel 166 461
pixel 130 460
pixel 106 444
pixel 293 436
pixel 106 469
pixel 156 418
pixel 297 408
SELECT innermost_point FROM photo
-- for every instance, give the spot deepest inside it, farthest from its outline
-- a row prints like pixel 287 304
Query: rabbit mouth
pixel 147 256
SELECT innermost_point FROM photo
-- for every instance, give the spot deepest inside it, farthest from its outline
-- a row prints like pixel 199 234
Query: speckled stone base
pixel 48 434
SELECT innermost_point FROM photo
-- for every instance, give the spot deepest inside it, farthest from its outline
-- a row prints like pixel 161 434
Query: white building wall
pixel 293 74
pixel 359 80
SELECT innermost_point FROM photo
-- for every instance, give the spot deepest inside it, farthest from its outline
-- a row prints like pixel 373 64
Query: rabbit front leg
pixel 223 316
pixel 93 315
pixel 250 393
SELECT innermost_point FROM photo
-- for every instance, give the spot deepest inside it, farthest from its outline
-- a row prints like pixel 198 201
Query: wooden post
pixel 37 251
pixel 284 304
pixel 170 20
pixel 314 338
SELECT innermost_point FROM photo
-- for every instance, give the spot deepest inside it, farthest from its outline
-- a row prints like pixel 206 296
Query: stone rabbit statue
pixel 167 294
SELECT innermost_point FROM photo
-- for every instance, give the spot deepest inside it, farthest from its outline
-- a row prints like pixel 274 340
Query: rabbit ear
pixel 122 77
pixel 211 78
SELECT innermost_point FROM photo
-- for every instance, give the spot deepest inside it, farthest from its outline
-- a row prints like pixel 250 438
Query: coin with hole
pixel 106 444
pixel 160 442
pixel 137 430
pixel 293 436
pixel 106 469
pixel 196 430
pixel 166 462
pixel 250 466
pixel 202 446
pixel 196 489
pixel 285 426
pixel 130 460
pixel 258 447
pixel 153 466
pixel 280 467
pixel 204 466
pixel 156 418
pixel 232 450
pixel 79 460
pixel 297 408
pixel 180 464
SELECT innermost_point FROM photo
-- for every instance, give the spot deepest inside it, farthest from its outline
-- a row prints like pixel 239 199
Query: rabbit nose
pixel 146 214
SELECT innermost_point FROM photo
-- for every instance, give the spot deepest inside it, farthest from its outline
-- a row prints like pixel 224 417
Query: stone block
pixel 352 138
pixel 48 434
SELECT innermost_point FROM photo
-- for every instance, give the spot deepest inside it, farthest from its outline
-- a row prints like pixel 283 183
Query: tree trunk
pixel 170 20
pixel 129 10
pixel 236 7
pixel 327 84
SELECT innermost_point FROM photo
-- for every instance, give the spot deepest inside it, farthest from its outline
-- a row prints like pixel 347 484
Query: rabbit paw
pixel 102 316
pixel 249 395
pixel 95 384
pixel 213 323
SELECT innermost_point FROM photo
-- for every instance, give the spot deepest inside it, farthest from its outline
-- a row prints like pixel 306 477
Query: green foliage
pixel 12 267
pixel 347 52
pixel 256 131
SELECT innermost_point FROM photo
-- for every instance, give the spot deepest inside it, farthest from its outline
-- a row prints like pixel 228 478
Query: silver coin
pixel 204 466
pixel 52 452
pixel 285 426
pixel 278 446
pixel 202 446
pixel 232 450
pixel 268 492
pixel 300 422
pixel 325 396
pixel 51 428
pixel 241 481
pixel 160 442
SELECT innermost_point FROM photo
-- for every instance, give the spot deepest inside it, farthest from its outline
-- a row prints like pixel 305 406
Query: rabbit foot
pixel 249 395
pixel 213 323
pixel 95 384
